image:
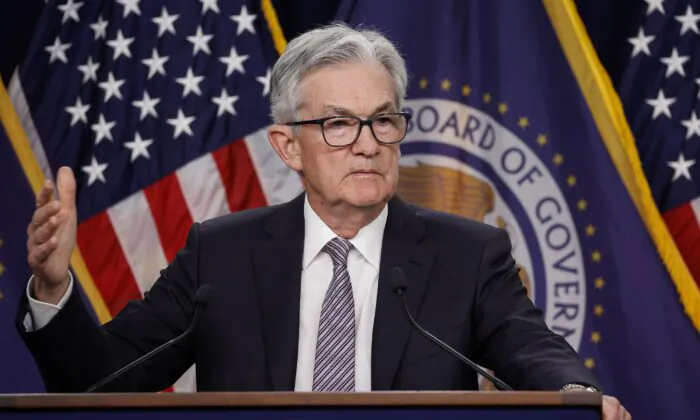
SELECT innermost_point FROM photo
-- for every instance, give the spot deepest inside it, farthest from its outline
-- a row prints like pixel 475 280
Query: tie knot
pixel 338 249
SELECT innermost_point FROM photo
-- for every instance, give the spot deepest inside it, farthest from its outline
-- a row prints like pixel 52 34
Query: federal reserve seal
pixel 458 159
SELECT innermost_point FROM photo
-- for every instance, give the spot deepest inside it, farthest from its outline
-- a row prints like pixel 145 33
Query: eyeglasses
pixel 341 131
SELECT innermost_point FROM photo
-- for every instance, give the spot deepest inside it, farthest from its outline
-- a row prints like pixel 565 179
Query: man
pixel 302 298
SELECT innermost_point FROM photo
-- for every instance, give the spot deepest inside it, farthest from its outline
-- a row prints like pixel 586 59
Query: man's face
pixel 364 174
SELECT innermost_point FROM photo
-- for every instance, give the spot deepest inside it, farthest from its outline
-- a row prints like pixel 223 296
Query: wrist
pixel 47 292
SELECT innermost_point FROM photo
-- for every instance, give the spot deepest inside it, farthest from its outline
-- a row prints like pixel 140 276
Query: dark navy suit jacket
pixel 463 286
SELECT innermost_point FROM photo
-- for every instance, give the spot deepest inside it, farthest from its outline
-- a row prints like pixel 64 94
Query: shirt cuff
pixel 40 313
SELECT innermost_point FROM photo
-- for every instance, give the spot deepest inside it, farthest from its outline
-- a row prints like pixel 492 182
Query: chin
pixel 368 198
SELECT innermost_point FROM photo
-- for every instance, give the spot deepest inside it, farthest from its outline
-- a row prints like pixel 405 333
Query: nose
pixel 366 144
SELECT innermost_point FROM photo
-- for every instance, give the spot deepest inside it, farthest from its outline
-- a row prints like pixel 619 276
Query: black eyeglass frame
pixel 368 122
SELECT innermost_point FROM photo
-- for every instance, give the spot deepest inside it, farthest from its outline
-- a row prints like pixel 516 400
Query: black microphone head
pixel 203 293
pixel 398 280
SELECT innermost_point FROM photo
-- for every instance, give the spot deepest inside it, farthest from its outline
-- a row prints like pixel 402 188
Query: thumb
pixel 66 187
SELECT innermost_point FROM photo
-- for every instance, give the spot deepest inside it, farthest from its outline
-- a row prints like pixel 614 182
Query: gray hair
pixel 330 45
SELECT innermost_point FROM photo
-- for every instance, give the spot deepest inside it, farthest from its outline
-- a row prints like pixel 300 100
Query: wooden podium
pixel 301 406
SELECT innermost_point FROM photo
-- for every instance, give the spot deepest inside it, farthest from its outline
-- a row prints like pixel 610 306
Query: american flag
pixel 660 89
pixel 160 107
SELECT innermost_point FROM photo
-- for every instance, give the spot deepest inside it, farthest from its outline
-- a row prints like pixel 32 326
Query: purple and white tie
pixel 334 368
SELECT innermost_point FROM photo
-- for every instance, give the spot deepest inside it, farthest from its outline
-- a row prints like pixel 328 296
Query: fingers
pixel 613 409
pixel 44 214
pixel 48 219
pixel 42 240
pixel 42 200
pixel 45 231
pixel 45 193
pixel 45 221
pixel 40 253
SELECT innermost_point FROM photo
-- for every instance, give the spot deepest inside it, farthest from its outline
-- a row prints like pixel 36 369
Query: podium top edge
pixel 290 399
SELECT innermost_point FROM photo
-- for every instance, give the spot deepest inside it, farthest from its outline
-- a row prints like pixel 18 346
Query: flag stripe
pixel 239 177
pixel 695 205
pixel 187 382
pixel 139 240
pixel 202 188
pixel 113 277
pixel 170 213
pixel 278 182
pixel 683 225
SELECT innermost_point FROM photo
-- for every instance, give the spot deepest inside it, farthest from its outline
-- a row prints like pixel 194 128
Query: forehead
pixel 359 88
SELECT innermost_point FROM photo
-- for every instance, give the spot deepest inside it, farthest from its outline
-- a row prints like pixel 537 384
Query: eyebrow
pixel 339 110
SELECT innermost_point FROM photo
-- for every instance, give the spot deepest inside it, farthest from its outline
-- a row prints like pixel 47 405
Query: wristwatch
pixel 578 387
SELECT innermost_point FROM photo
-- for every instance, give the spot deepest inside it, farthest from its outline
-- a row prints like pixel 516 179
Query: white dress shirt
pixel 316 276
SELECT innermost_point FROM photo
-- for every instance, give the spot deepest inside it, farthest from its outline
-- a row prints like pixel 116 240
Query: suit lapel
pixel 403 246
pixel 277 264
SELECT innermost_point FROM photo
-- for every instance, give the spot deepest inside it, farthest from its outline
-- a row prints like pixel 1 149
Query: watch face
pixel 577 387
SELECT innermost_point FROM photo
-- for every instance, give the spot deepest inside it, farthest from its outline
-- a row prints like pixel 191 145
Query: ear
pixel 286 145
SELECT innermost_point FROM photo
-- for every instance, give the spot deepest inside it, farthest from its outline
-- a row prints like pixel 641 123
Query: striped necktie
pixel 334 368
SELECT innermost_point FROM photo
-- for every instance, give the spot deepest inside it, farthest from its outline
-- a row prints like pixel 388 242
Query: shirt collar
pixel 368 241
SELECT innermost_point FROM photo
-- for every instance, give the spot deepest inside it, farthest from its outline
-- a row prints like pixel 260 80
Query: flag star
pixel 200 41
pixel 674 63
pixel 100 28
pixel 112 87
pixel 692 126
pixel 681 168
pixel 697 82
pixel 155 64
pixel 58 51
pixel 70 11
pixel 244 21
pixel 89 70
pixel 78 112
pixel 655 5
pixel 225 103
pixel 103 130
pixel 190 83
pixel 265 80
pixel 165 22
pixel 181 124
pixel 95 171
pixel 121 45
pixel 210 5
pixel 689 21
pixel 139 147
pixel 234 62
pixel 147 105
pixel 641 42
pixel 661 105
pixel 130 6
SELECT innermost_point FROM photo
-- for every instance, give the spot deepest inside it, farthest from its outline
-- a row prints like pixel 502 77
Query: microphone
pixel 201 298
pixel 399 284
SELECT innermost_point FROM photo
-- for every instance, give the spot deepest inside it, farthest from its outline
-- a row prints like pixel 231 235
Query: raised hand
pixel 51 237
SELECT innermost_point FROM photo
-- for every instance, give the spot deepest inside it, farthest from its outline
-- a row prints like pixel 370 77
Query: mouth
pixel 365 173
